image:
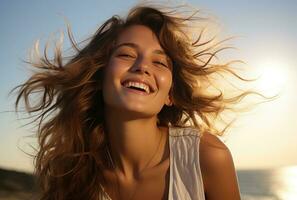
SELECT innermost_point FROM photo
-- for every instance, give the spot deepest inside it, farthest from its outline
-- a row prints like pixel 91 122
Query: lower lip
pixel 136 91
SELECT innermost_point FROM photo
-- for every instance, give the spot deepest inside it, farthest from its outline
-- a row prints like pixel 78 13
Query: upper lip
pixel 140 80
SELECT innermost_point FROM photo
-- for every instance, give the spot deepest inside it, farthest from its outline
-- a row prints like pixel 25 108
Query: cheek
pixel 110 75
pixel 113 71
pixel 111 82
pixel 166 81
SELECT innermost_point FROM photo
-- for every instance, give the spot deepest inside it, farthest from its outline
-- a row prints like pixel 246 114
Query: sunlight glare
pixel 273 77
pixel 289 190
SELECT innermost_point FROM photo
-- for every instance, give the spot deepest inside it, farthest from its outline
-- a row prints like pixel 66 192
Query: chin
pixel 138 111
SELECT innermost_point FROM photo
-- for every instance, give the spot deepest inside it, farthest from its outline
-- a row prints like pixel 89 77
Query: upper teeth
pixel 138 85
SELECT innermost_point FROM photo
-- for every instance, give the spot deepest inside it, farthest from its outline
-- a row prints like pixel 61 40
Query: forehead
pixel 140 35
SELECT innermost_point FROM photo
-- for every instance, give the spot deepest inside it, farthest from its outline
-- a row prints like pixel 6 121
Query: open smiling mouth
pixel 138 88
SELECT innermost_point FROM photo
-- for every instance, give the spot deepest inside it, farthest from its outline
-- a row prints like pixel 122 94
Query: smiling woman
pixel 137 61
pixel 131 116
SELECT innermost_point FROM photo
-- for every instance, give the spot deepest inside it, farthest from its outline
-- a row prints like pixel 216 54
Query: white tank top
pixel 185 182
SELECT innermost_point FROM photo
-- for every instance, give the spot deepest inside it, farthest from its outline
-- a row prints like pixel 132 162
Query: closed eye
pixel 125 55
pixel 160 63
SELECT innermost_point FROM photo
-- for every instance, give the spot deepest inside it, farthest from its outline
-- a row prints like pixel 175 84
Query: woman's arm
pixel 218 171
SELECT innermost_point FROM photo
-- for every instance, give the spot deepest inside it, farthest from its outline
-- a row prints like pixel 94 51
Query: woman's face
pixel 138 76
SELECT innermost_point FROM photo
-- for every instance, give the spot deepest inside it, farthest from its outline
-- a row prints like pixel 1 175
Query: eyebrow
pixel 135 46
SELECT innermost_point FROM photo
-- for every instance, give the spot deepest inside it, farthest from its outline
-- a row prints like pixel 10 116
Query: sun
pixel 273 77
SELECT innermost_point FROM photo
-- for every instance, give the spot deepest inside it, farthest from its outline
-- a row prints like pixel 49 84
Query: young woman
pixel 129 116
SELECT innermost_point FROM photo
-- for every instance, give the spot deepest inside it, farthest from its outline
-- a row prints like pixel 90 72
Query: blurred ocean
pixel 273 184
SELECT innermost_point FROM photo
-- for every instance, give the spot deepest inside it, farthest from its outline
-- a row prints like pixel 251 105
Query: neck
pixel 134 144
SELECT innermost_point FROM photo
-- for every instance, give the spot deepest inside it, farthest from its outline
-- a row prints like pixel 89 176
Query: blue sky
pixel 264 138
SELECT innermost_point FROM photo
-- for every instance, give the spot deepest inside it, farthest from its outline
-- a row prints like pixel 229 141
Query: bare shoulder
pixel 212 149
pixel 217 168
pixel 215 156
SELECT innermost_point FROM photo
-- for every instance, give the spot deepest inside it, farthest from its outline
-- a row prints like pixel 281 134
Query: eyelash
pixel 160 63
pixel 125 55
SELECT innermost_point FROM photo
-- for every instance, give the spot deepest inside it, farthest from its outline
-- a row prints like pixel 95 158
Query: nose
pixel 141 66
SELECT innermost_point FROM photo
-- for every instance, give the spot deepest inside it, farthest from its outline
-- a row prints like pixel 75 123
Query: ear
pixel 169 101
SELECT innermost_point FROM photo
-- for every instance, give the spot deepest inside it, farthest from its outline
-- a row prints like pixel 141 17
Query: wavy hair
pixel 69 109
